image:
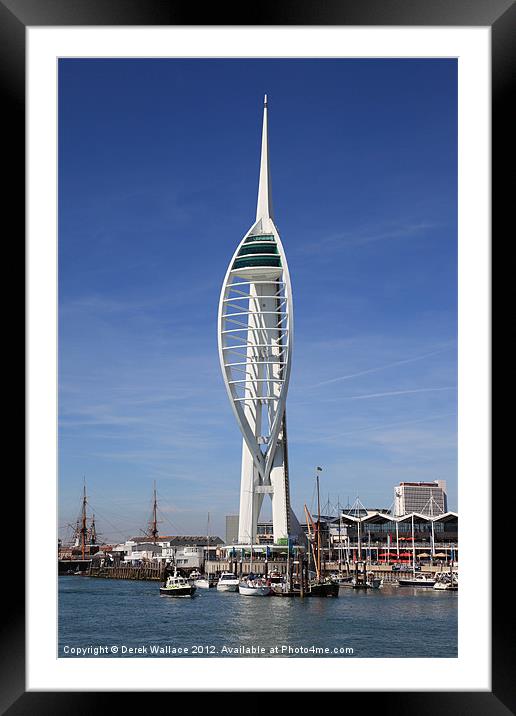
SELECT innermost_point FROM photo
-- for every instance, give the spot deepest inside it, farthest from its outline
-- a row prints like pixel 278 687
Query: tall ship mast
pixel 153 522
pixel 85 534
pixel 84 527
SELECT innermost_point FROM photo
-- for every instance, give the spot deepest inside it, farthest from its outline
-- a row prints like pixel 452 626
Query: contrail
pixel 382 367
pixel 399 392
pixel 385 426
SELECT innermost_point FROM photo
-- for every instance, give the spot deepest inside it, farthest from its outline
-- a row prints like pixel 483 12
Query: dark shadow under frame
pixel 500 15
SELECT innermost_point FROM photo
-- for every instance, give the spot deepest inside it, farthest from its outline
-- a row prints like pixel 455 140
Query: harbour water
pixel 117 618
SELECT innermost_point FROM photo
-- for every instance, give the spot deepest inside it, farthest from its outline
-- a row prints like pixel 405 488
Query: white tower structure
pixel 255 332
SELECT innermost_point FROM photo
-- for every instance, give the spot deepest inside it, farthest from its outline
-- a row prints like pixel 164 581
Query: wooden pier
pixel 148 571
pixel 156 571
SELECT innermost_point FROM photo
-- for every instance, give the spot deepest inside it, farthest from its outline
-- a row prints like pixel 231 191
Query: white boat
pixel 447 581
pixel 228 582
pixel 417 580
pixel 177 586
pixel 254 587
pixel 205 583
pixel 343 580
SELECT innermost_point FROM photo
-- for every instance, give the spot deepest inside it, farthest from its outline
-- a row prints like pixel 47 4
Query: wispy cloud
pixel 404 361
pixel 366 235
pixel 332 437
pixel 400 392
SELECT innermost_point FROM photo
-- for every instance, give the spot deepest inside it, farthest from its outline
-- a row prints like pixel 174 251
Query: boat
pixel 276 578
pixel 228 582
pixel 208 580
pixel 205 582
pixel 317 586
pixel 417 580
pixel 202 581
pixel 447 581
pixel 323 589
pixel 254 587
pixel 370 582
pixel 177 586
pixel 343 580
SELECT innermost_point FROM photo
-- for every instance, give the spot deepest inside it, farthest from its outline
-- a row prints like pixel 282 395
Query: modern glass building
pixel 426 498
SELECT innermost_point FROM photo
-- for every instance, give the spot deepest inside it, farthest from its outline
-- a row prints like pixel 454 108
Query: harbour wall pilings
pixel 379 571
pixel 149 571
pixel 154 571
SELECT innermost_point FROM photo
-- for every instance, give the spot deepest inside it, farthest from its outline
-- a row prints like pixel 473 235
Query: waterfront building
pixel 386 538
pixel 187 548
pixel 426 498
pixel 255 333
pixel 143 552
pixel 184 557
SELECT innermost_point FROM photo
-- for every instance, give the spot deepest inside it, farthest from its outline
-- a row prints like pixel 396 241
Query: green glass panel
pixel 258 249
pixel 258 237
pixel 249 261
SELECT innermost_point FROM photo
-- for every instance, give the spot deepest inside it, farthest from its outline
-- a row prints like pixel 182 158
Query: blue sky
pixel 158 175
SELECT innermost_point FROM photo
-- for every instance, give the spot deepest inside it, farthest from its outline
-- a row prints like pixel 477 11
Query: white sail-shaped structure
pixel 255 333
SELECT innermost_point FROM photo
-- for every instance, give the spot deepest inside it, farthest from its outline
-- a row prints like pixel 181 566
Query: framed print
pixel 193 191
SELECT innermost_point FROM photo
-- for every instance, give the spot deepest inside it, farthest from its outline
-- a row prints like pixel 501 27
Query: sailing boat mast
pixel 252 531
pixel 340 523
pixel 413 549
pixel 208 539
pixel 318 524
pixel 154 519
pixel 432 523
pixel 84 527
pixel 93 532
pixel 311 539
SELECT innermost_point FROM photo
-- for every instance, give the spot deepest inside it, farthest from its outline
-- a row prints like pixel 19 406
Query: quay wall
pixel 261 567
pixel 156 572
pixel 149 571
pixel 68 566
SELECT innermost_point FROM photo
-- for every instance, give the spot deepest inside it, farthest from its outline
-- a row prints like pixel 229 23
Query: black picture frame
pixel 15 17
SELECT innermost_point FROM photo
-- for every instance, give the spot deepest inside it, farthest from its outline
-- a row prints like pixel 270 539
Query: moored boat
pixel 417 580
pixel 323 589
pixel 369 583
pixel 207 580
pixel 447 581
pixel 205 583
pixel 254 587
pixel 228 582
pixel 343 580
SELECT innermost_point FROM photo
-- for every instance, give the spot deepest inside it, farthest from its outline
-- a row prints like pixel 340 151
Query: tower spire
pixel 264 204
